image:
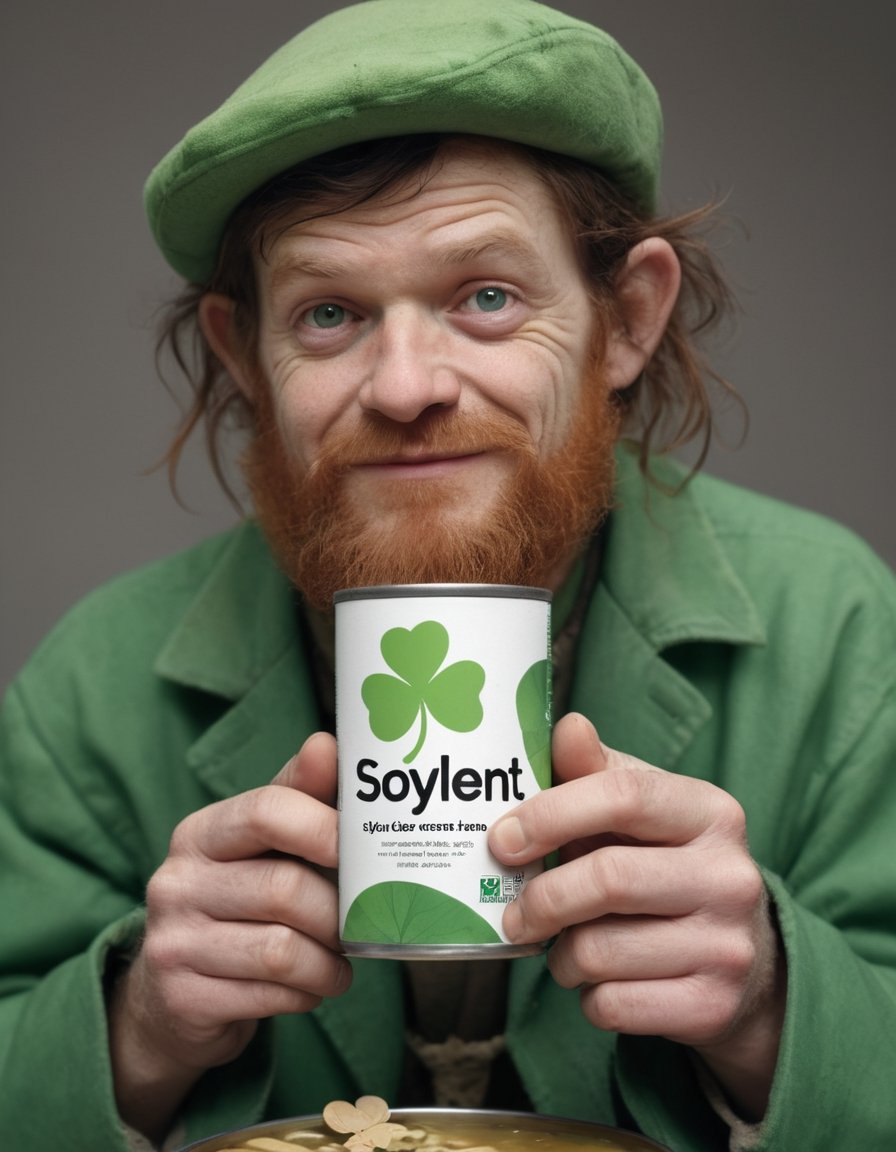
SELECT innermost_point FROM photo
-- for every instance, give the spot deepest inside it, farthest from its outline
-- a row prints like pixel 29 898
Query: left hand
pixel 660 913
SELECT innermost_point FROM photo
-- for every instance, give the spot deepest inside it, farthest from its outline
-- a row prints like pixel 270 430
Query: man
pixel 422 254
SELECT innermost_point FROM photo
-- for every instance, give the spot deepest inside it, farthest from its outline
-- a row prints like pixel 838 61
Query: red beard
pixel 542 514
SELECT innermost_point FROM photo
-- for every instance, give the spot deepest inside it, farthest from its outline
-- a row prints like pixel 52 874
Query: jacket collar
pixel 240 640
pixel 240 622
pixel 666 581
pixel 666 566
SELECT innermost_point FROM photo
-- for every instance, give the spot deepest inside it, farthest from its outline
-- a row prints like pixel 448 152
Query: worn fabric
pixel 517 71
pixel 729 638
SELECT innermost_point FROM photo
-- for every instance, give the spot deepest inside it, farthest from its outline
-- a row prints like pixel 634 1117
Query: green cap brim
pixel 515 70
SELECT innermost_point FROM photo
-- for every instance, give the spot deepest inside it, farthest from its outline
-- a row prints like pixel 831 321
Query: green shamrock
pixel 420 689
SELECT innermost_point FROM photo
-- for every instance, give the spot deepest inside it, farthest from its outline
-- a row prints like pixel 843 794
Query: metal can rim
pixel 394 591
pixel 436 952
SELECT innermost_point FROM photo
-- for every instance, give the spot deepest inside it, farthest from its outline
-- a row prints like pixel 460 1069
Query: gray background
pixel 783 108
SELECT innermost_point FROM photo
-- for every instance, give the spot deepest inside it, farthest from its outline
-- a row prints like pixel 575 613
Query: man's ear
pixel 646 291
pixel 217 325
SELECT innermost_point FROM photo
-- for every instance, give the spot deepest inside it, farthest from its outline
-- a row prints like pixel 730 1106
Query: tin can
pixel 443 722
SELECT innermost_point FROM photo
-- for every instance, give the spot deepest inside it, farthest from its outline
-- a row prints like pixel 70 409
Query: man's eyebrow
pixel 296 267
pixel 502 245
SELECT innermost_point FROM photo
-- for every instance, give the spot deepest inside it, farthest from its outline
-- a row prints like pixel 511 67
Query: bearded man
pixel 424 263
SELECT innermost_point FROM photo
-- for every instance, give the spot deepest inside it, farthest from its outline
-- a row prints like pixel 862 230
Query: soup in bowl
pixel 438 1130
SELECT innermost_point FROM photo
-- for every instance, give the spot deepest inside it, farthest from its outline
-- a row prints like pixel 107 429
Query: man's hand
pixel 660 914
pixel 242 924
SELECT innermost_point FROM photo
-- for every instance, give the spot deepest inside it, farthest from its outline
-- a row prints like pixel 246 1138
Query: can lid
pixel 399 591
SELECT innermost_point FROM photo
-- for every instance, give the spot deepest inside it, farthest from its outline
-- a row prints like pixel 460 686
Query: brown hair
pixel 668 406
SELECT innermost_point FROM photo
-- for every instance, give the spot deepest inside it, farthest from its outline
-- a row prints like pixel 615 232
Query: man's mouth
pixel 419 465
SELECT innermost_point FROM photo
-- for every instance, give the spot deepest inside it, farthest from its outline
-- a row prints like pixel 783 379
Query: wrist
pixel 150 1084
pixel 743 1063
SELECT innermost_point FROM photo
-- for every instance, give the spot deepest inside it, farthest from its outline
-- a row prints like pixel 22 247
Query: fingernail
pixel 344 978
pixel 513 921
pixel 508 836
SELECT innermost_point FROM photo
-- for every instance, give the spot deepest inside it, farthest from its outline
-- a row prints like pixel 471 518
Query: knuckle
pixel 165 888
pixel 752 883
pixel 602 1005
pixel 625 787
pixel 588 953
pixel 547 806
pixel 561 967
pixel 278 953
pixel 610 875
pixel 744 887
pixel 281 887
pixel 730 818
pixel 183 836
pixel 751 886
pixel 322 834
pixel 259 808
pixel 162 951
pixel 537 903
pixel 737 956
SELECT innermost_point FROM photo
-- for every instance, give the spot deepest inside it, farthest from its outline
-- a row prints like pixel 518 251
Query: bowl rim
pixel 427 1111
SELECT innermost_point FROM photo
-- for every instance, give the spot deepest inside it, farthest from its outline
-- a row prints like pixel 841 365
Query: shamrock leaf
pixel 393 705
pixel 453 696
pixel 366 1120
pixel 366 1111
pixel 401 912
pixel 416 654
pixel 533 709
pixel 377 1136
pixel 420 689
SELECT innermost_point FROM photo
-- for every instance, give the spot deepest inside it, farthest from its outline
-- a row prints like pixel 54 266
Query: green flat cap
pixel 511 69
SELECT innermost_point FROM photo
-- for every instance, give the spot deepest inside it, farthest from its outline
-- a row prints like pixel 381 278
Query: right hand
pixel 242 923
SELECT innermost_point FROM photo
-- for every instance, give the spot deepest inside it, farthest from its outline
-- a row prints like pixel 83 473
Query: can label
pixel 443 724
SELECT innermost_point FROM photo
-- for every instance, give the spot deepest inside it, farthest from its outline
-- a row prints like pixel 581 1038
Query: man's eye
pixel 325 316
pixel 489 299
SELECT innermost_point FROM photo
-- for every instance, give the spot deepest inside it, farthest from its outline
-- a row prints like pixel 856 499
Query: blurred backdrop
pixel 782 108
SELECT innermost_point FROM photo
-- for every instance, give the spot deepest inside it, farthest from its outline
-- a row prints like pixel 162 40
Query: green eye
pixel 325 316
pixel 491 299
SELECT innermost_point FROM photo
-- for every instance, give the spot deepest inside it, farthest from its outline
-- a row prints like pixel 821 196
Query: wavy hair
pixel 668 406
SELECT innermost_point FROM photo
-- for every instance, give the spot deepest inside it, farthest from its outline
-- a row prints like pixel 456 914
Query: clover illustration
pixel 367 1120
pixel 419 689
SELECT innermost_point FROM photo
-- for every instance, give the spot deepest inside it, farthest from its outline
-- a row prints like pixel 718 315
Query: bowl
pixel 438 1129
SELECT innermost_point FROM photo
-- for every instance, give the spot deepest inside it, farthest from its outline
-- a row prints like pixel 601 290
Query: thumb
pixel 313 769
pixel 576 749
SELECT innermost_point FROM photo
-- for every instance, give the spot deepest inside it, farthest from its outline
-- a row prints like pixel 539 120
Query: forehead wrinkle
pixel 502 245
pixel 296 266
pixel 443 252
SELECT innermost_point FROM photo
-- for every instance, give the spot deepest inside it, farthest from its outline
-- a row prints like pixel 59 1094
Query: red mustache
pixel 377 441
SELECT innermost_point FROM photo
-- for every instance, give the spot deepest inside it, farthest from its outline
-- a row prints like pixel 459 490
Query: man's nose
pixel 410 369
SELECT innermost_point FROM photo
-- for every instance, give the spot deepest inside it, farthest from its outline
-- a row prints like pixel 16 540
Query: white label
pixel 443 724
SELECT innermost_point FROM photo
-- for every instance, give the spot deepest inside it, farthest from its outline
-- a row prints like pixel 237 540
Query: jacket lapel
pixel 666 580
pixel 362 1026
pixel 240 640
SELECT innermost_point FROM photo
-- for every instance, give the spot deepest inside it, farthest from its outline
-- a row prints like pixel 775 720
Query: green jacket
pixel 729 638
